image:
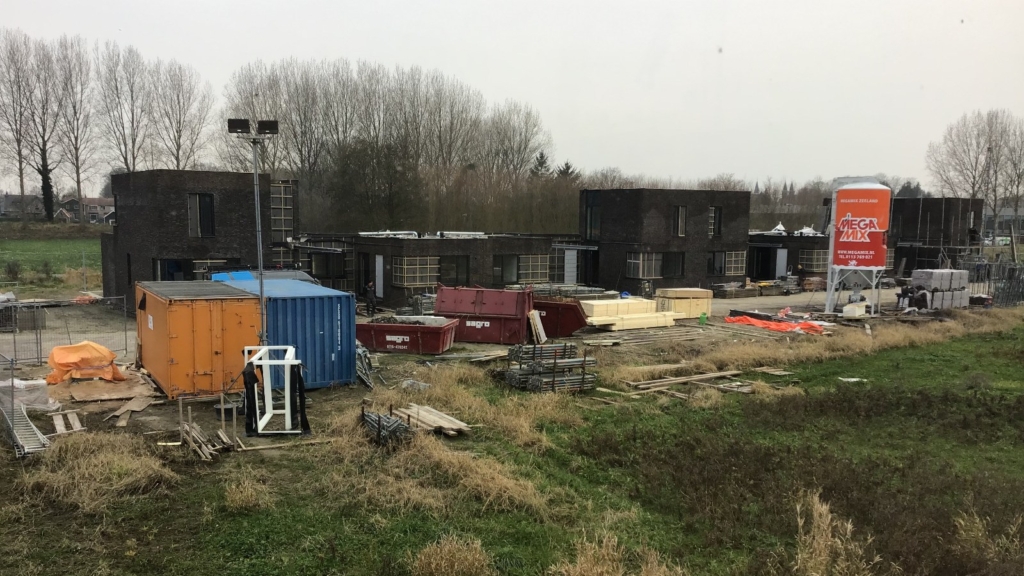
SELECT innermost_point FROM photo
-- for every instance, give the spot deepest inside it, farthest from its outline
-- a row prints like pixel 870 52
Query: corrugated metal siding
pixel 319 322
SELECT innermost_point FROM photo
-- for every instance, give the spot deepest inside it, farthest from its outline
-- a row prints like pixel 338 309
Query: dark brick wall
pixel 643 220
pixel 107 252
pixel 152 222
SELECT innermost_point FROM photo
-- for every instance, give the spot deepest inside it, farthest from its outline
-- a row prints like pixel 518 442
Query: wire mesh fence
pixel 1002 281
pixel 29 330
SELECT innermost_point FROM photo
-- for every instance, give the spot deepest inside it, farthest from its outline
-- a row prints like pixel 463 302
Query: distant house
pixel 95 210
pixel 11 207
pixel 64 216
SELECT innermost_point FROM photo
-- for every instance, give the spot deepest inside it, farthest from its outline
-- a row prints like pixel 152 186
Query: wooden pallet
pixel 426 418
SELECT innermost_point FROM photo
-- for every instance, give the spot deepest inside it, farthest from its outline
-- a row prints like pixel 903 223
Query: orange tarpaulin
pixel 83 360
pixel 805 327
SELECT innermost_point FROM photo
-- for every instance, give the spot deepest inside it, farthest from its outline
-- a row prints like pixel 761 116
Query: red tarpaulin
pixel 804 327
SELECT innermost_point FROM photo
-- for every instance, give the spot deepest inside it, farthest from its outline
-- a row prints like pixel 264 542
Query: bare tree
pixel 957 162
pixel 15 101
pixel 722 182
pixel 182 103
pixel 254 92
pixel 515 135
pixel 303 119
pixel 45 112
pixel 997 127
pixel 339 104
pixel 75 127
pixel 1012 179
pixel 125 97
pixel 373 102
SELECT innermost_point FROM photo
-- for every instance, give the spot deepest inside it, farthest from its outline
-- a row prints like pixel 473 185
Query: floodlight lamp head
pixel 239 126
pixel 266 127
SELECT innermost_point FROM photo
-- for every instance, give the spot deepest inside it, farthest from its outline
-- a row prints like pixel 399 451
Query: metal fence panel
pixel 29 330
pixel 1001 281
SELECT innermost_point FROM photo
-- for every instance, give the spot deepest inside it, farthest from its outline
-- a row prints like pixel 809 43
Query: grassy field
pixel 918 469
pixel 60 253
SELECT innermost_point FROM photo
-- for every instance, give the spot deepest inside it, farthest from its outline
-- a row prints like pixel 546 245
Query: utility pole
pixel 265 129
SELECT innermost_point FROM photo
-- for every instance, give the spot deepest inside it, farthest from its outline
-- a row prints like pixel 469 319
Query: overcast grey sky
pixel 788 89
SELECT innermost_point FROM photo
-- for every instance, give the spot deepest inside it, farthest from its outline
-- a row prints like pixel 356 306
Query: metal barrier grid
pixel 29 330
pixel 1001 281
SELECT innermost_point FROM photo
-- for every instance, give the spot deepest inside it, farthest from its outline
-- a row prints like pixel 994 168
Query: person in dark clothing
pixel 371 300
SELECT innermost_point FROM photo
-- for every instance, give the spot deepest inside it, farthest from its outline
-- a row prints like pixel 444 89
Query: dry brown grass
pixel 485 479
pixel 452 390
pixel 705 398
pixel 718 356
pixel 419 475
pixel 453 556
pixel 92 470
pixel 768 393
pixel 72 277
pixel 608 558
pixel 826 544
pixel 248 492
pixel 991 552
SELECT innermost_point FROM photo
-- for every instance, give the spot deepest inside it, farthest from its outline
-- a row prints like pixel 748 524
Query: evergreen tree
pixel 541 167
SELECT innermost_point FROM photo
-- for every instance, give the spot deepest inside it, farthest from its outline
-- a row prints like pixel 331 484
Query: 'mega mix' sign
pixel 862 221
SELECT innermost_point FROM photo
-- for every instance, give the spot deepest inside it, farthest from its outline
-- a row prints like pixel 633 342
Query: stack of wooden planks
pixel 426 418
pixel 626 314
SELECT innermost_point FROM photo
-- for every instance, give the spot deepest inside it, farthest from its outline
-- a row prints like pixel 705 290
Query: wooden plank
pixel 137 404
pixel 539 336
pixel 610 391
pixel 122 420
pixel 649 390
pixel 76 424
pixel 684 379
pixel 58 423
pixel 440 414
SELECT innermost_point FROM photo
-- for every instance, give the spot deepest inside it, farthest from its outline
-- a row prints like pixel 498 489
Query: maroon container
pixel 436 336
pixel 560 318
pixel 491 316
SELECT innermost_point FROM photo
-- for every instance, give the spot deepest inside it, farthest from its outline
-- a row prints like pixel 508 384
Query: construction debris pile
pixel 549 368
pixel 395 320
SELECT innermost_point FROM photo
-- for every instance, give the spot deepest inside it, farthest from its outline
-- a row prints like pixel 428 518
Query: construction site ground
pixel 925 436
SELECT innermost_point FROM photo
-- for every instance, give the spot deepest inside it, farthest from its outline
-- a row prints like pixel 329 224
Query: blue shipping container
pixel 319 322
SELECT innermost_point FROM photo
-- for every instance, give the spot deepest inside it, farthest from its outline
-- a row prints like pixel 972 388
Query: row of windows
pixel 647 265
pixel 592 217
pixel 424 271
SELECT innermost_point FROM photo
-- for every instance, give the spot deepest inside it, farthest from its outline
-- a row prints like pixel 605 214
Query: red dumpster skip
pixel 433 336
pixel 561 318
pixel 493 316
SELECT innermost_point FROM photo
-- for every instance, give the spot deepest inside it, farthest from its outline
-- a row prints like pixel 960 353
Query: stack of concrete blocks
pixel 687 302
pixel 626 314
pixel 948 287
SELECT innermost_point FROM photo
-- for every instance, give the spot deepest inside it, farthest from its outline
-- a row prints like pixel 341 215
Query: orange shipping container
pixel 192 334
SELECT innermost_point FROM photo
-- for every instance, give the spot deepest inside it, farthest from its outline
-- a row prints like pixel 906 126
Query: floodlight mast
pixel 264 130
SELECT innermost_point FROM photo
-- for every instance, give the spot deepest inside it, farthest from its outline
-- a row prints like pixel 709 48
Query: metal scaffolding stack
pixel 549 368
